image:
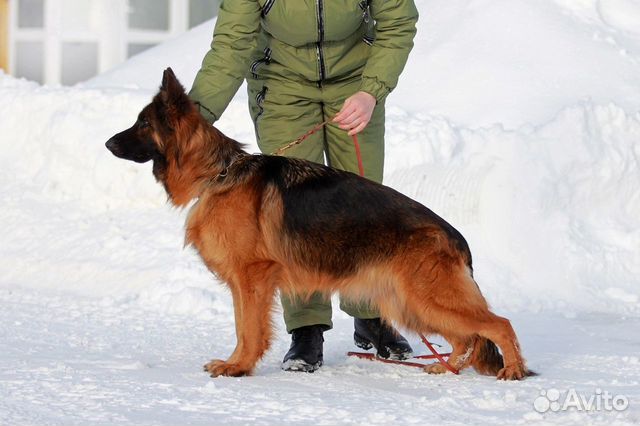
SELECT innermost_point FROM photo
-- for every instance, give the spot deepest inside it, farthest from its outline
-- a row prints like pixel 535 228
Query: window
pixel 79 62
pixel 134 48
pixel 201 11
pixel 31 13
pixel 149 15
pixel 30 60
pixel 69 41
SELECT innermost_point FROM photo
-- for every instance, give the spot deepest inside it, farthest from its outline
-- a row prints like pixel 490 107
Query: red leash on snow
pixel 434 355
pixel 439 357
pixel 365 355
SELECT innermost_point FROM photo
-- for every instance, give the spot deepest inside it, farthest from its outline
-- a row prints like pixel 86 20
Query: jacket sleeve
pixel 395 29
pixel 225 65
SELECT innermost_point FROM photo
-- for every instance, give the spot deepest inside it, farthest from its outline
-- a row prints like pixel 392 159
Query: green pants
pixel 284 110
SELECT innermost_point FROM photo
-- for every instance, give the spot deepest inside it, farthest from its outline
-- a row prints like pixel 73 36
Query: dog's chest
pixel 202 231
pixel 224 230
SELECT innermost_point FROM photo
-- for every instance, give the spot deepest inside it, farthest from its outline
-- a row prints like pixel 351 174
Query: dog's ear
pixel 173 97
pixel 169 80
pixel 171 90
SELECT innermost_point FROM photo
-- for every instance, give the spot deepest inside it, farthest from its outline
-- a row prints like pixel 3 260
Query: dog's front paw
pixel 218 367
pixel 512 372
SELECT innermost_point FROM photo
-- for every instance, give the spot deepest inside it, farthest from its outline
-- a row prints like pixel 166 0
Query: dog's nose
pixel 111 145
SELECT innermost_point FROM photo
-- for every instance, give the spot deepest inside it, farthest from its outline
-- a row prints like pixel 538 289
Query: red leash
pixel 364 355
pixel 373 357
pixel 358 155
pixel 435 355
pixel 440 358
pixel 317 127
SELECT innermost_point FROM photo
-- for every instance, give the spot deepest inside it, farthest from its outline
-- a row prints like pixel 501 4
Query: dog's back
pixel 340 221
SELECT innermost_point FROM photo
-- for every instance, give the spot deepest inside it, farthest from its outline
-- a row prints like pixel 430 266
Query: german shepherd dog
pixel 262 223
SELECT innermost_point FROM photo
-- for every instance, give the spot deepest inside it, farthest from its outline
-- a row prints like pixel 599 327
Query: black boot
pixel 375 333
pixel 305 353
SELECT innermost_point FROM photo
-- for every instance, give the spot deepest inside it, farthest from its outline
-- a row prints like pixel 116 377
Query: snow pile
pixel 521 129
pixel 519 62
pixel 552 212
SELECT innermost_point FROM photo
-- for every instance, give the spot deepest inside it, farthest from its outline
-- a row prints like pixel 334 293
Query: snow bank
pixel 552 212
pixel 517 121
pixel 516 62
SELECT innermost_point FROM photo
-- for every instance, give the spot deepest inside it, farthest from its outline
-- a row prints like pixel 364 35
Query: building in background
pixel 68 41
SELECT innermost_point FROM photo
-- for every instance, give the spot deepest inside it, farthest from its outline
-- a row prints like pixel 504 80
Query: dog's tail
pixel 486 358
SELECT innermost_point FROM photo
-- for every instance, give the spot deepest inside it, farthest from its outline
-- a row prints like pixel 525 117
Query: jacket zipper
pixel 267 7
pixel 364 5
pixel 319 52
pixel 264 60
pixel 260 103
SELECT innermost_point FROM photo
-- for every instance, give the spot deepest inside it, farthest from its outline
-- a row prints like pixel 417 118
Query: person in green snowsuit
pixel 306 61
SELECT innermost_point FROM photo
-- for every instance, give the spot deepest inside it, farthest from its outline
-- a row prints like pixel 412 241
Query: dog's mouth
pixel 116 149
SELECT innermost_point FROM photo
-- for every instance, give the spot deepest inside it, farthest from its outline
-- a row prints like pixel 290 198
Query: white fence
pixel 68 41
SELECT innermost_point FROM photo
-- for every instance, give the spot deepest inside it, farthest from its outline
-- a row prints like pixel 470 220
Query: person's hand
pixel 356 112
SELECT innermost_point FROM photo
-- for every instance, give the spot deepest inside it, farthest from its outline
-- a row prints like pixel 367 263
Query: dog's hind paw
pixel 435 368
pixel 513 372
pixel 218 367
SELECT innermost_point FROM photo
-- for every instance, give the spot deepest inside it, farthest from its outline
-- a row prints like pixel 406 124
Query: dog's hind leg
pixel 460 358
pixel 448 302
pixel 255 290
pixel 484 329
pixel 499 330
pixel 486 358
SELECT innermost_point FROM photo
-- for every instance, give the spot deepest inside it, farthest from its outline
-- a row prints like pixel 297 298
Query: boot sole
pixel 361 342
pixel 298 365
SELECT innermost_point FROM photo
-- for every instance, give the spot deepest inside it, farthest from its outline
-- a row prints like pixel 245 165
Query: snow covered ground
pixel 517 121
pixel 76 361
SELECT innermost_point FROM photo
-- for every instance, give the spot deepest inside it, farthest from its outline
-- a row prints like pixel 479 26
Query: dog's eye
pixel 143 123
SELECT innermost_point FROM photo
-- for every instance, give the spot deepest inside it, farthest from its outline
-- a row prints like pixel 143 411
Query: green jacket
pixel 314 41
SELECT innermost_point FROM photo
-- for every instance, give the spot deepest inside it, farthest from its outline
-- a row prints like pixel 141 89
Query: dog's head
pixel 161 126
pixel 186 150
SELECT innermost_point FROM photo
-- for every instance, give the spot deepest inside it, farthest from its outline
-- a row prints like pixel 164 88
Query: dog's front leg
pixel 253 296
pixel 237 311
